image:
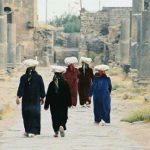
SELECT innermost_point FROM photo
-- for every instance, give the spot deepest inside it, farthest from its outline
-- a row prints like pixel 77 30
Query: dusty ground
pixel 82 133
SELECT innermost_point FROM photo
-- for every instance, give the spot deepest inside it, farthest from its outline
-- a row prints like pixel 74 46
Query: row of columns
pixel 3 38
pixel 136 32
pixel 135 41
pixel 9 54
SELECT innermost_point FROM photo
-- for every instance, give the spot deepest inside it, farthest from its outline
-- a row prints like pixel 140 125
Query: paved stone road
pixel 82 133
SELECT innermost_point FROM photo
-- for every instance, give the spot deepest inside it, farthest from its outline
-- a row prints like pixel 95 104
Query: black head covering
pixel 29 73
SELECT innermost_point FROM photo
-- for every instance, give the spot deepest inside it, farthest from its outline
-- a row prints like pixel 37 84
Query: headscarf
pixel 84 67
pixel 29 73
pixel 57 77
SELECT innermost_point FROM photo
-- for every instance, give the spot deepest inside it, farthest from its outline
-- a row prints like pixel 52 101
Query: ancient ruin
pixel 140 41
pixel 102 28
pixel 21 36
pixel 117 34
pixel 3 38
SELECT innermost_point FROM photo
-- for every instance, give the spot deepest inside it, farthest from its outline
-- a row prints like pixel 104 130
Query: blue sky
pixel 58 7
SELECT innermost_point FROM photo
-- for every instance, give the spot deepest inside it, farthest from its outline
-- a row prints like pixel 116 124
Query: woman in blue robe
pixel 100 90
pixel 31 90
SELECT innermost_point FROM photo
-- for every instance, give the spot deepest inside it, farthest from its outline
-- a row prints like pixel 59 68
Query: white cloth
pixel 59 69
pixel 30 63
pixel 101 67
pixel 70 60
pixel 85 60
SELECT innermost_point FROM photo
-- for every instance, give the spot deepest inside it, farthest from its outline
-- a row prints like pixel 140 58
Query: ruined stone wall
pixel 99 26
pixel 91 22
pixel 24 14
pixel 117 14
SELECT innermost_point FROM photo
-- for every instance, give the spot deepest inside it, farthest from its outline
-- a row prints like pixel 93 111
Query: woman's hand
pixel 17 100
pixel 42 101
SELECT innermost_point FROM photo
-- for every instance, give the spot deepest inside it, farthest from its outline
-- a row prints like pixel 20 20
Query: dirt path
pixel 82 133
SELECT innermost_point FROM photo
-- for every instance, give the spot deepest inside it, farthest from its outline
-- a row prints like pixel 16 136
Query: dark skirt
pixel 59 117
pixel 102 110
pixel 31 119
pixel 84 94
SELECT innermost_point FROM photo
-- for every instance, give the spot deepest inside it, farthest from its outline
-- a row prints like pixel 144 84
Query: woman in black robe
pixel 85 80
pixel 31 90
pixel 84 84
pixel 59 99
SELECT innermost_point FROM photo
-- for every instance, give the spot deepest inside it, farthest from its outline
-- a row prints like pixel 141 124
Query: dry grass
pixel 139 115
pixel 117 87
pixel 115 71
pixel 123 87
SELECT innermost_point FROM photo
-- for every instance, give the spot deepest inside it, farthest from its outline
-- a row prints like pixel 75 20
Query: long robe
pixel 84 84
pixel 59 98
pixel 100 90
pixel 72 79
pixel 31 93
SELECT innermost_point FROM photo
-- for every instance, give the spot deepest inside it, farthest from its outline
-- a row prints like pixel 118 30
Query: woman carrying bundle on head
pixel 31 90
pixel 58 97
pixel 85 81
pixel 71 75
pixel 100 90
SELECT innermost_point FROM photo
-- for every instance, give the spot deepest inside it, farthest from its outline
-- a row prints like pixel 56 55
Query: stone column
pixel 125 41
pixel 134 55
pixel 51 49
pixel 3 38
pixel 11 53
pixel 144 58
pixel 138 7
pixel 1 7
pixel 117 53
pixel 19 50
pixel 45 57
pixel 82 46
pixel 46 62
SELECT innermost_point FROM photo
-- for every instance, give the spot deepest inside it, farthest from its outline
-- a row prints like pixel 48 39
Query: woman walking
pixel 59 99
pixel 85 81
pixel 31 90
pixel 71 75
pixel 100 90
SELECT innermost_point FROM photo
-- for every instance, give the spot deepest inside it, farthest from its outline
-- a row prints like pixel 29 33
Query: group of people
pixel 62 93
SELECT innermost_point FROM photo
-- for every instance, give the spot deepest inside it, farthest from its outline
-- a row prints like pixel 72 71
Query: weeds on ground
pixel 139 115
pixel 137 90
pixel 116 87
